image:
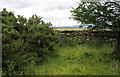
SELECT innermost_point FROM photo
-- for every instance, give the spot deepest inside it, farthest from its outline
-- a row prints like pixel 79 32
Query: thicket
pixel 24 41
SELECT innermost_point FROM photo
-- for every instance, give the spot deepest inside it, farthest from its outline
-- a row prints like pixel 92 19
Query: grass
pixel 65 29
pixel 77 60
pixel 77 29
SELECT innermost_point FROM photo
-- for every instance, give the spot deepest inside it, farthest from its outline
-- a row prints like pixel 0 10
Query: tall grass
pixel 77 60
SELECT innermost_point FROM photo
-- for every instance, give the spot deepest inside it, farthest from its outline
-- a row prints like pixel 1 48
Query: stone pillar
pixel 62 39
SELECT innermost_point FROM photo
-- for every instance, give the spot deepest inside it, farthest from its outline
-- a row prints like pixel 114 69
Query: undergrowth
pixel 77 59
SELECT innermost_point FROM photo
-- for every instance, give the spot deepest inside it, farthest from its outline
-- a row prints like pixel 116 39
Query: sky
pixel 55 11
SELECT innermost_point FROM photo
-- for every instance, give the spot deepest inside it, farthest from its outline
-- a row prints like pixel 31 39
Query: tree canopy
pixel 102 15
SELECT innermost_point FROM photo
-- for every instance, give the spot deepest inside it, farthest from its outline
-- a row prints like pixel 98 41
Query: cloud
pixel 13 4
pixel 55 11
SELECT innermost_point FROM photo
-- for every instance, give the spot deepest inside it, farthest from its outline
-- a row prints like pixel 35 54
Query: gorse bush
pixel 21 37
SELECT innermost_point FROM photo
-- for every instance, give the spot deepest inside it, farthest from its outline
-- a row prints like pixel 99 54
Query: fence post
pixel 62 39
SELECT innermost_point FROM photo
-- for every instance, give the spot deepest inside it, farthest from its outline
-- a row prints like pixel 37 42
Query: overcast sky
pixel 55 11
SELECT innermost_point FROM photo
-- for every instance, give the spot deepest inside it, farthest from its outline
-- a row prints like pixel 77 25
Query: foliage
pixel 102 15
pixel 96 37
pixel 22 37
pixel 15 65
pixel 73 41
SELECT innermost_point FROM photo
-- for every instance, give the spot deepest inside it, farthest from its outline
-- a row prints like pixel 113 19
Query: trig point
pixel 62 39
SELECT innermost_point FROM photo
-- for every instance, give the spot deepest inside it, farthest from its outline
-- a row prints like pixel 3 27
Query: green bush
pixel 15 65
pixel 22 37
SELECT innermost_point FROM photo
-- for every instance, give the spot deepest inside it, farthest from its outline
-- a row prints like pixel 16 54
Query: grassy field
pixel 77 60
pixel 65 29
pixel 74 29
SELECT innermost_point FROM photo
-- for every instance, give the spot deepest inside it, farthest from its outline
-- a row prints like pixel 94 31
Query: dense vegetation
pixel 29 46
pixel 101 15
pixel 24 41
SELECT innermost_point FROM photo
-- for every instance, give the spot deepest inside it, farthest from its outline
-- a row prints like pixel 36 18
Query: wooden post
pixel 62 39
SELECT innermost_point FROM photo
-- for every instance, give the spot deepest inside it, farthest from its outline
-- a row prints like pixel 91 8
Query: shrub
pixel 20 37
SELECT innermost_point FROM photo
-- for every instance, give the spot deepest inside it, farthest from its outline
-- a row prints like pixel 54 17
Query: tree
pixel 35 20
pixel 102 15
pixel 8 18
